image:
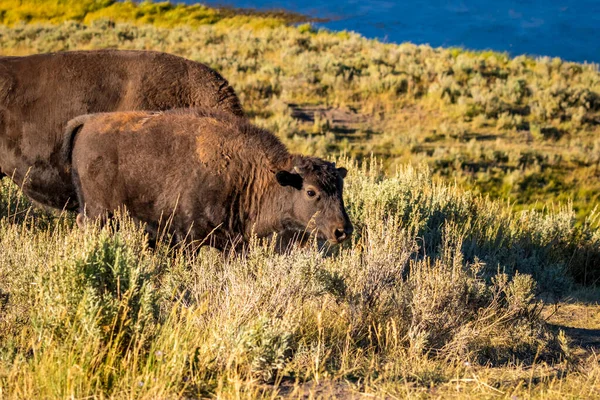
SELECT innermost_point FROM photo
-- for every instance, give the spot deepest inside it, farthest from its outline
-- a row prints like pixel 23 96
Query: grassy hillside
pixel 519 128
pixel 442 292
pixel 163 14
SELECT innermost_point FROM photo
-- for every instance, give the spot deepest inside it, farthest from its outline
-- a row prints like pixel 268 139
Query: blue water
pixel 569 29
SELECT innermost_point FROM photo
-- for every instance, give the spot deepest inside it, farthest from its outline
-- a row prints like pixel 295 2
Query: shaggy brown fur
pixel 219 177
pixel 40 93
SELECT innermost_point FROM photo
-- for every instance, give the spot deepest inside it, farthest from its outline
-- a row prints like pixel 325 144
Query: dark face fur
pixel 317 201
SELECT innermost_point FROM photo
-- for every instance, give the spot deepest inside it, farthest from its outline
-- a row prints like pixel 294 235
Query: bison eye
pixel 311 193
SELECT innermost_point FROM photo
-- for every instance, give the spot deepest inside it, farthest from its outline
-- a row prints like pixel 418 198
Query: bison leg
pixel 87 209
pixel 151 230
pixel 81 220
pixel 99 217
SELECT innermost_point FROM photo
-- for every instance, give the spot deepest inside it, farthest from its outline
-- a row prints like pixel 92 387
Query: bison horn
pixel 297 170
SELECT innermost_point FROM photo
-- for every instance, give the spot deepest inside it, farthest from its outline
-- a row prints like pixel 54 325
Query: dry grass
pixel 409 309
pixel 164 14
pixel 439 293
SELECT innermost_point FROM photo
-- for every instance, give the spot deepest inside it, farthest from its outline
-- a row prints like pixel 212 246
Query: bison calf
pixel 217 177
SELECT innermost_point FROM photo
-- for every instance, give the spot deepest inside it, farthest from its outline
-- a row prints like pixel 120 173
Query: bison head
pixel 316 202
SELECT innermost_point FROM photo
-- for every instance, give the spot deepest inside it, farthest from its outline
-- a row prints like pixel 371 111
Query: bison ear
pixel 288 179
pixel 342 171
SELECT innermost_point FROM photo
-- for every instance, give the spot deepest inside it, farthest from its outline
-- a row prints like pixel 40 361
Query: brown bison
pixel 219 178
pixel 39 94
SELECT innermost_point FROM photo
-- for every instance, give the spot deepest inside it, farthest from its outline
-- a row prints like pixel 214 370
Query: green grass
pixel 442 292
pixel 163 14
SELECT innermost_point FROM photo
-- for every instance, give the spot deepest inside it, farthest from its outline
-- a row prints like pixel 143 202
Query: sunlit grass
pixel 434 290
pixel 163 14
pixel 438 293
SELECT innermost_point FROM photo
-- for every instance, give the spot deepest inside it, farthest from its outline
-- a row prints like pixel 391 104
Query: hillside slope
pixel 515 128
pixel 442 292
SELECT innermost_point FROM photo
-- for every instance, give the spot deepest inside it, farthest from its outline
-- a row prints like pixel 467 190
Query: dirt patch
pixel 580 321
pixel 327 389
pixel 343 122
pixel 338 116
pixel 586 338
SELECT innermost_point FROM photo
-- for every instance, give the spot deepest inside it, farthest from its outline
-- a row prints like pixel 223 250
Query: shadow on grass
pixel 588 339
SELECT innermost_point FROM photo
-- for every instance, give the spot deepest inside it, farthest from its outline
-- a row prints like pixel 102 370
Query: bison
pixel 39 94
pixel 218 178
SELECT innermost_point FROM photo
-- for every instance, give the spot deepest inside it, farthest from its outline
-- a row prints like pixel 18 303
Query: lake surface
pixel 558 28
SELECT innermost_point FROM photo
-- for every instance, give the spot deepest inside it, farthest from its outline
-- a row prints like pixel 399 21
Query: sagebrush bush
pixel 427 280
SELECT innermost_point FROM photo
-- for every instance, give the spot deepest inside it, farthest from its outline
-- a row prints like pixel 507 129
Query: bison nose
pixel 340 235
pixel 343 234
